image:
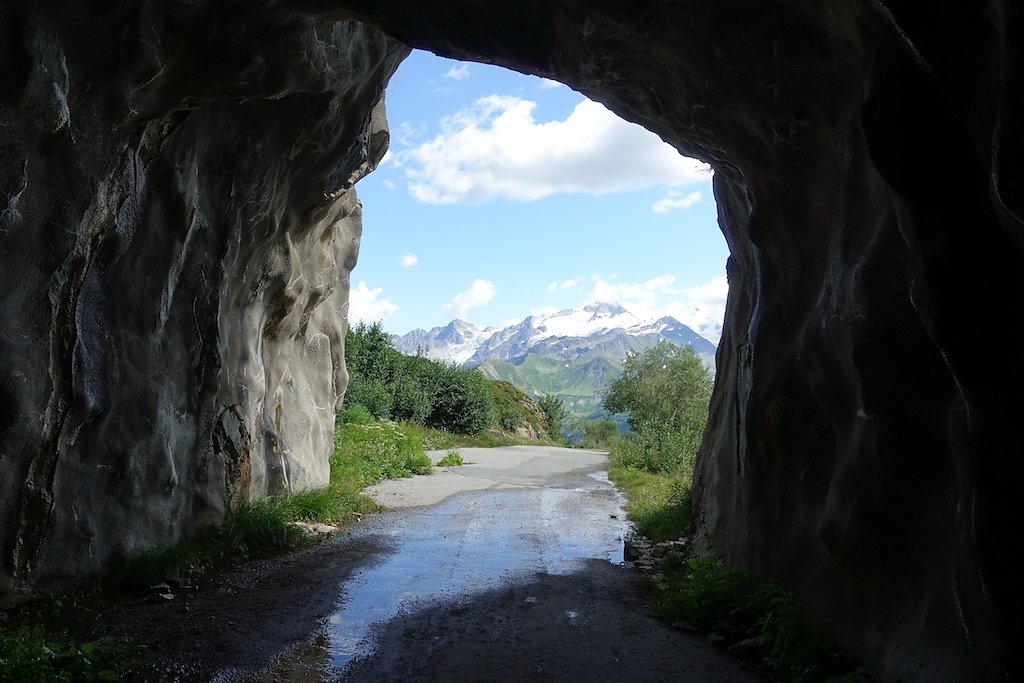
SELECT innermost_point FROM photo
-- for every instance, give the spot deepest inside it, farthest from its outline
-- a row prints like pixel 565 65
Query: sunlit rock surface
pixel 177 227
pixel 865 445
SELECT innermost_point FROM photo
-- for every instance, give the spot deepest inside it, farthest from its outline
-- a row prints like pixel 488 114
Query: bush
pixel 452 459
pixel 371 394
pixel 461 401
pixel 599 434
pixel 28 654
pixel 554 412
pixel 354 415
pixel 410 401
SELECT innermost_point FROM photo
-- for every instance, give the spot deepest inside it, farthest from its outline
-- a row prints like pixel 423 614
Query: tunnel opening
pixel 541 235
pixel 164 246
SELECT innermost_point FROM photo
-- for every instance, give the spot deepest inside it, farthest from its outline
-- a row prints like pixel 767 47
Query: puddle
pixel 473 542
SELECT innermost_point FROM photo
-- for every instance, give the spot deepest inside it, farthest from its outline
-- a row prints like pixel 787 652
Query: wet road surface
pixel 507 569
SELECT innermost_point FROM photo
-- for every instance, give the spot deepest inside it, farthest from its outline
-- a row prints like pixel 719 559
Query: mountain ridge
pixel 600 329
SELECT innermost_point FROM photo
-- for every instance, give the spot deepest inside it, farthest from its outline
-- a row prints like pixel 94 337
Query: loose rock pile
pixel 646 555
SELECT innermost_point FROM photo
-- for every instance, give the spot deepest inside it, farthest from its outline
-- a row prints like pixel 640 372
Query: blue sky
pixel 506 195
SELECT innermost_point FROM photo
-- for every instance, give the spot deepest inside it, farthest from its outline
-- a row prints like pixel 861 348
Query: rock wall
pixel 176 216
pixel 864 447
pixel 177 226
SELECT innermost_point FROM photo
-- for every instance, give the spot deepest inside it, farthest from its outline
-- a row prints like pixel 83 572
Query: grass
pixel 453 459
pixel 659 503
pixel 365 452
pixel 439 440
pixel 718 598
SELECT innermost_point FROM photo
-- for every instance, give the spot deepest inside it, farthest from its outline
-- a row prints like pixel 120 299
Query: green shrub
pixel 28 654
pixel 554 412
pixel 452 459
pixel 737 605
pixel 372 394
pixel 665 393
pixel 355 414
pixel 599 434
pixel 460 401
pixel 410 401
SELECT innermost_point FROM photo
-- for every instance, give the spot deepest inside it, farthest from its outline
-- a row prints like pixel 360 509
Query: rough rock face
pixel 864 446
pixel 177 226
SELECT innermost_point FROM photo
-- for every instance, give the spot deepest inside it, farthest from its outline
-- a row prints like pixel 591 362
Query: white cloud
pixel 673 200
pixel 497 149
pixel 478 294
pixel 459 72
pixel 641 299
pixel 409 260
pixel 564 284
pixel 700 308
pixel 703 308
pixel 367 305
pixel 549 84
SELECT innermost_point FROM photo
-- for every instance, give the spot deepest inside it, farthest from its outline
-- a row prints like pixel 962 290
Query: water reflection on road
pixel 471 543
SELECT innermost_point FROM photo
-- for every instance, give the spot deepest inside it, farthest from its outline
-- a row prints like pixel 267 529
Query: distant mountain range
pixel 573 353
pixel 595 330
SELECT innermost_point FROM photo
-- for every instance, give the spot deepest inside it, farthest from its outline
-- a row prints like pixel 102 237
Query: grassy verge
pixel 755 619
pixel 439 440
pixel 659 503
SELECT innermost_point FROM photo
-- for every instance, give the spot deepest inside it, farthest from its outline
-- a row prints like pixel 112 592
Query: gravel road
pixel 507 569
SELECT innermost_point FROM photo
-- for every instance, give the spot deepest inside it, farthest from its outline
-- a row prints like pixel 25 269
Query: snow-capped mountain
pixel 598 329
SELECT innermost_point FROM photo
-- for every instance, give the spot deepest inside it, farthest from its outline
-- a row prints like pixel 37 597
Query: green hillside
pixel 580 382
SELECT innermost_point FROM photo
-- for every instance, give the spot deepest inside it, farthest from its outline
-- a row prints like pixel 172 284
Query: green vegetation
pixel 453 459
pixel 744 609
pixel 29 654
pixel 515 409
pixel 600 434
pixel 659 504
pixel 665 392
pixel 415 389
pixel 555 413
pixel 578 383
pixel 365 451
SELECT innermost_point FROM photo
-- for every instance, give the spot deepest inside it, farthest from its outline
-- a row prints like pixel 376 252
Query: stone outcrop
pixel 177 225
pixel 169 185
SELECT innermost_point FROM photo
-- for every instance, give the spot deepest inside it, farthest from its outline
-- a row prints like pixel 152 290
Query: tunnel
pixel 178 224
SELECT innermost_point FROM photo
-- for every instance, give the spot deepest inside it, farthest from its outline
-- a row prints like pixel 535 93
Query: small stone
pixel 161 588
pixel 660 550
pixel 612 515
pixel 748 646
pixel 687 626
pixel 716 639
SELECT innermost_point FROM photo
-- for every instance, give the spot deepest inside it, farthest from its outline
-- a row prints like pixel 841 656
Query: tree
pixel 555 412
pixel 665 386
pixel 664 392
